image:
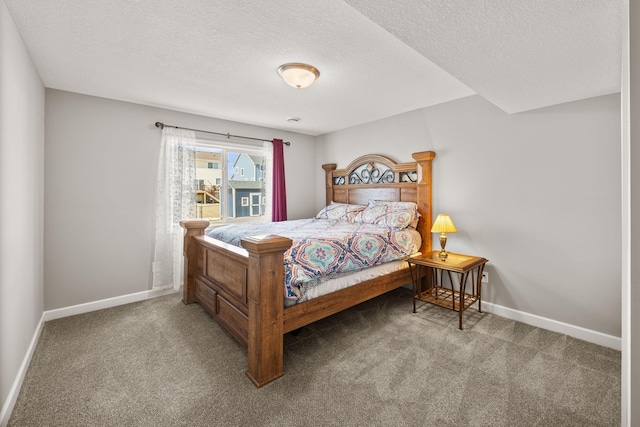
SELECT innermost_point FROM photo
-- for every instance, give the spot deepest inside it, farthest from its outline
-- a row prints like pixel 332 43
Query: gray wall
pixel 536 193
pixel 21 205
pixel 101 166
pixel 631 217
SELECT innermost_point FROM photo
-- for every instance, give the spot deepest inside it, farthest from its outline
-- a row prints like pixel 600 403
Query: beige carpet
pixel 161 363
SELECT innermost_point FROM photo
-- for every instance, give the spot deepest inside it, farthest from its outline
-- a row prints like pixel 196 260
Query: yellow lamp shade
pixel 443 224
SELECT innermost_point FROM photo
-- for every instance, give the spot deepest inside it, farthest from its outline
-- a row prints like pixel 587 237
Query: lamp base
pixel 443 243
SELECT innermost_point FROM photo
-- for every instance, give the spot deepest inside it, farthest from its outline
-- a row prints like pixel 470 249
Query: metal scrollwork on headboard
pixel 371 173
pixel 411 176
pixel 374 172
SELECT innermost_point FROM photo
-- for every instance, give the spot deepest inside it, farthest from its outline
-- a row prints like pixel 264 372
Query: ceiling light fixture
pixel 298 75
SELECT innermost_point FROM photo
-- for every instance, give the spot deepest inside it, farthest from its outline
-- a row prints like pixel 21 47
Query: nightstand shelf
pixel 446 298
pixel 462 266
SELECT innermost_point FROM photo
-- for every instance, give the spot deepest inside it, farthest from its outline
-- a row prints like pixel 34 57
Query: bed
pixel 242 287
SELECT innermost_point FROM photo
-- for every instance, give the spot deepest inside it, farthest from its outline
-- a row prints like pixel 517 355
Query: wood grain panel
pixel 362 196
pixel 409 194
pixel 234 321
pixel 206 296
pixel 224 271
pixel 340 195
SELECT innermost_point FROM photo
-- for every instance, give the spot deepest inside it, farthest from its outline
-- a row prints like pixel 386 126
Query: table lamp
pixel 443 225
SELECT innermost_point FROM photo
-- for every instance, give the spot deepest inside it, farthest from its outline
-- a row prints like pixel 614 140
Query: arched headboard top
pixel 378 177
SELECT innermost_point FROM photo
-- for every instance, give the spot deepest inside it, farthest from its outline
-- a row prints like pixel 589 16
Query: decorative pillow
pixel 390 214
pixel 340 211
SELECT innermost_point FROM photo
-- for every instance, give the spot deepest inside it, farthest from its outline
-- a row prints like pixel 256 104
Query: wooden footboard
pixel 243 288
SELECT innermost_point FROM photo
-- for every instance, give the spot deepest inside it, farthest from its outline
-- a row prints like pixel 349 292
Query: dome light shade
pixel 298 75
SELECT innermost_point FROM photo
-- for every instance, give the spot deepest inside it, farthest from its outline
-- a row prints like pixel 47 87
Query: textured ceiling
pixel 219 58
pixel 518 54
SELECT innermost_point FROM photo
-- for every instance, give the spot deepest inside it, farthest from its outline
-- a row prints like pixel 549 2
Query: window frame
pixel 224 148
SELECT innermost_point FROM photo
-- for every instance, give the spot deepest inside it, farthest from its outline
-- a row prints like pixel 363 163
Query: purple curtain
pixel 279 204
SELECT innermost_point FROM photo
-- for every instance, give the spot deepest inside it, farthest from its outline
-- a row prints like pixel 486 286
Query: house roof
pixel 257 160
pixel 246 185
pixel 376 59
pixel 206 155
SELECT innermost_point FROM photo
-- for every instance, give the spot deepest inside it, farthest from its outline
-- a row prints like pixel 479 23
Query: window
pixel 225 193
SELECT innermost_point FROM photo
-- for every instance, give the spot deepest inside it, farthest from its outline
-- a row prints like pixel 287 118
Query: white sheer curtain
pixel 268 176
pixel 175 200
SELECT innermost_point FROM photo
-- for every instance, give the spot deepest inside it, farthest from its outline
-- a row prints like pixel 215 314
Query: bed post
pixel 193 228
pixel 424 159
pixel 265 300
pixel 328 173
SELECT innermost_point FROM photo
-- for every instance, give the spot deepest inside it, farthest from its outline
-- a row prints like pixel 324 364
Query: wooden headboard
pixel 377 177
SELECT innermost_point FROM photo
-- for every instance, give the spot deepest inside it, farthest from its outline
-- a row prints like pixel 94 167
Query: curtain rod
pixel 228 135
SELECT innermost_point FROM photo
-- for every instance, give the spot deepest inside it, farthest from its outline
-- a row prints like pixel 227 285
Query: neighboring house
pixel 245 198
pixel 208 180
pixel 246 186
pixel 208 169
pixel 248 168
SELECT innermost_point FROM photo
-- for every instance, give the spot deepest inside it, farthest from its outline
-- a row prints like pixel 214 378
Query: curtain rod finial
pixel 160 125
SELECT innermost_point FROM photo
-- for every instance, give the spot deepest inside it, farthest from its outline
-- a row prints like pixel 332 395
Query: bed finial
pixel 328 173
pixel 424 189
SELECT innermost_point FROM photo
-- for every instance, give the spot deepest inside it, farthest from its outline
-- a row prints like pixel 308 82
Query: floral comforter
pixel 327 247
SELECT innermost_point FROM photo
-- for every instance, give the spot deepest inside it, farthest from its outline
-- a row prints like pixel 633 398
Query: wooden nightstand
pixel 461 265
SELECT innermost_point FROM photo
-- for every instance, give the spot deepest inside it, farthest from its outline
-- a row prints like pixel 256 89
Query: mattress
pixel 328 284
pixel 324 250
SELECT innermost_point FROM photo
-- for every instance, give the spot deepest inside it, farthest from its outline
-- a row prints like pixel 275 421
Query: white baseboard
pixel 104 303
pixel 555 326
pixel 7 408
